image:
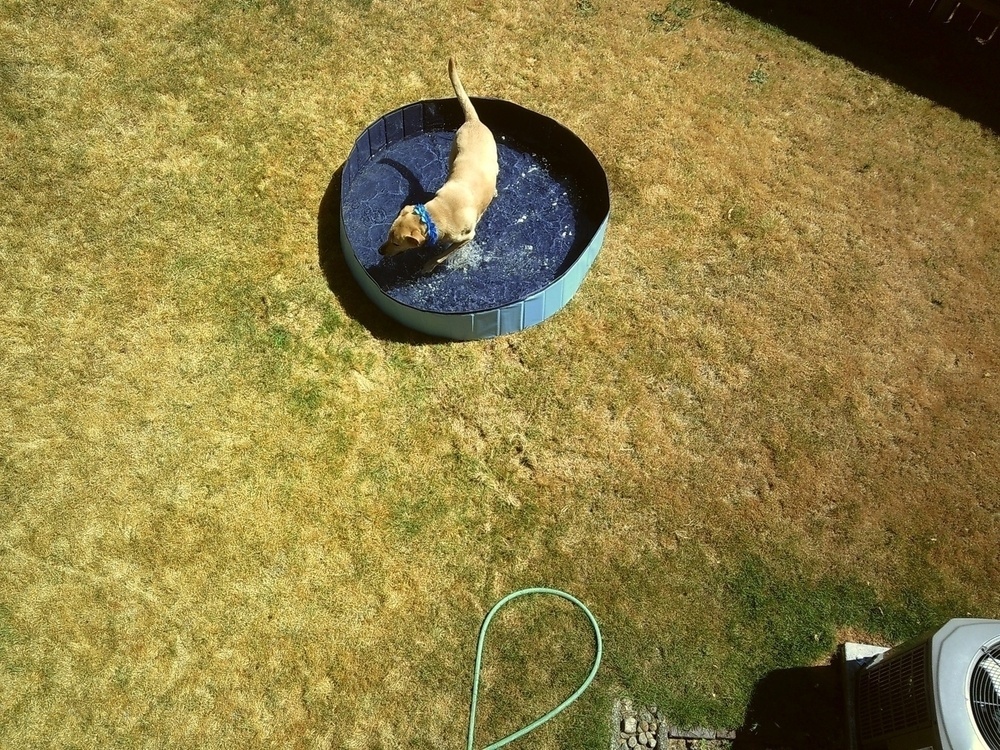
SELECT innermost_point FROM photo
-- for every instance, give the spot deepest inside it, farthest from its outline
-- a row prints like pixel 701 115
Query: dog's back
pixel 474 152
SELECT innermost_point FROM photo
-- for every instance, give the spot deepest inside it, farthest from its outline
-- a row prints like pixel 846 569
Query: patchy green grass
pixel 240 508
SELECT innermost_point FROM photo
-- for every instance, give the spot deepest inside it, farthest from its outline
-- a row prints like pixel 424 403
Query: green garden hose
pixel 479 659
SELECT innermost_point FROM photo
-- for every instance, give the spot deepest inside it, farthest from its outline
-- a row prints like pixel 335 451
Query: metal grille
pixel 984 695
pixel 893 695
pixel 978 18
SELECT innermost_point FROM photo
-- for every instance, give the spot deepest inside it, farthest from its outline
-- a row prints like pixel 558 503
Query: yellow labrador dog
pixel 449 218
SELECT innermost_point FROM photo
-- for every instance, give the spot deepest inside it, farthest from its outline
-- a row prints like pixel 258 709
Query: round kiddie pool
pixel 533 246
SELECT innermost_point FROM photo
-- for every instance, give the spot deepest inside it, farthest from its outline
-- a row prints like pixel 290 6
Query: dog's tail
pixel 463 98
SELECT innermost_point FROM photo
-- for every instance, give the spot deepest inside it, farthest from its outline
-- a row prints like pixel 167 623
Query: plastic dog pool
pixel 533 246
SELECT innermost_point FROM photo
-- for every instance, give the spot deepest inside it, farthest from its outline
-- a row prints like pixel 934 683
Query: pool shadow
pixel 902 42
pixel 338 276
pixel 795 709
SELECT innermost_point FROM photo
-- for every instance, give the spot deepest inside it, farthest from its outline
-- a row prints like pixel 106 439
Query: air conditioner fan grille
pixel 984 695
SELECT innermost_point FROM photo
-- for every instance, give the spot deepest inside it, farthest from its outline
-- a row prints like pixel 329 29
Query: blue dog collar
pixel 432 233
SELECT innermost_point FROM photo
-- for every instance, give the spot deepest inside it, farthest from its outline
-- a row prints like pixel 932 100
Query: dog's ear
pixel 404 210
pixel 414 238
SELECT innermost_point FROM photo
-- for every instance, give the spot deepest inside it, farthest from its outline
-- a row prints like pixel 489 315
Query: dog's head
pixel 407 232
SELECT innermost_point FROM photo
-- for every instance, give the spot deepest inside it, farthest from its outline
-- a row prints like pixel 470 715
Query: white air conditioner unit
pixel 940 691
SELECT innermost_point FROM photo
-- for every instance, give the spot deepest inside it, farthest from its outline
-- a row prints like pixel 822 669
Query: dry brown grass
pixel 239 510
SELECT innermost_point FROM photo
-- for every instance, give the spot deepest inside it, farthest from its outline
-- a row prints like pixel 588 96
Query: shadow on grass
pixel 903 44
pixel 356 303
pixel 795 709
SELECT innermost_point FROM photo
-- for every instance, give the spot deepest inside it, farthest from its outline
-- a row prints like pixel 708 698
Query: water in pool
pixel 530 234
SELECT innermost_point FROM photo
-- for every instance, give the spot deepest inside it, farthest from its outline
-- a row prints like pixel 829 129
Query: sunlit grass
pixel 240 508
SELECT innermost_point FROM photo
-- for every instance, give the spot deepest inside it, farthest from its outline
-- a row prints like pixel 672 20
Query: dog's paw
pixel 431 265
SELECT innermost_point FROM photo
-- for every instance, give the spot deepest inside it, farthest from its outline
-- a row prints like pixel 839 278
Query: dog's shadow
pixel 338 276
pixel 416 192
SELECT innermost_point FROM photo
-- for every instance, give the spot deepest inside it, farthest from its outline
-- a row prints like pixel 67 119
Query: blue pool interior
pixel 552 197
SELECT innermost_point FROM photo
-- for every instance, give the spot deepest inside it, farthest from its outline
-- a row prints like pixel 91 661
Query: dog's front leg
pixel 442 256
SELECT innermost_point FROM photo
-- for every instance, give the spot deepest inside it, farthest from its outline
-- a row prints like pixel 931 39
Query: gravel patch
pixel 635 726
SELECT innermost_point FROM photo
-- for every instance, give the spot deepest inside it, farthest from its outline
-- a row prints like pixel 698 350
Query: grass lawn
pixel 240 508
